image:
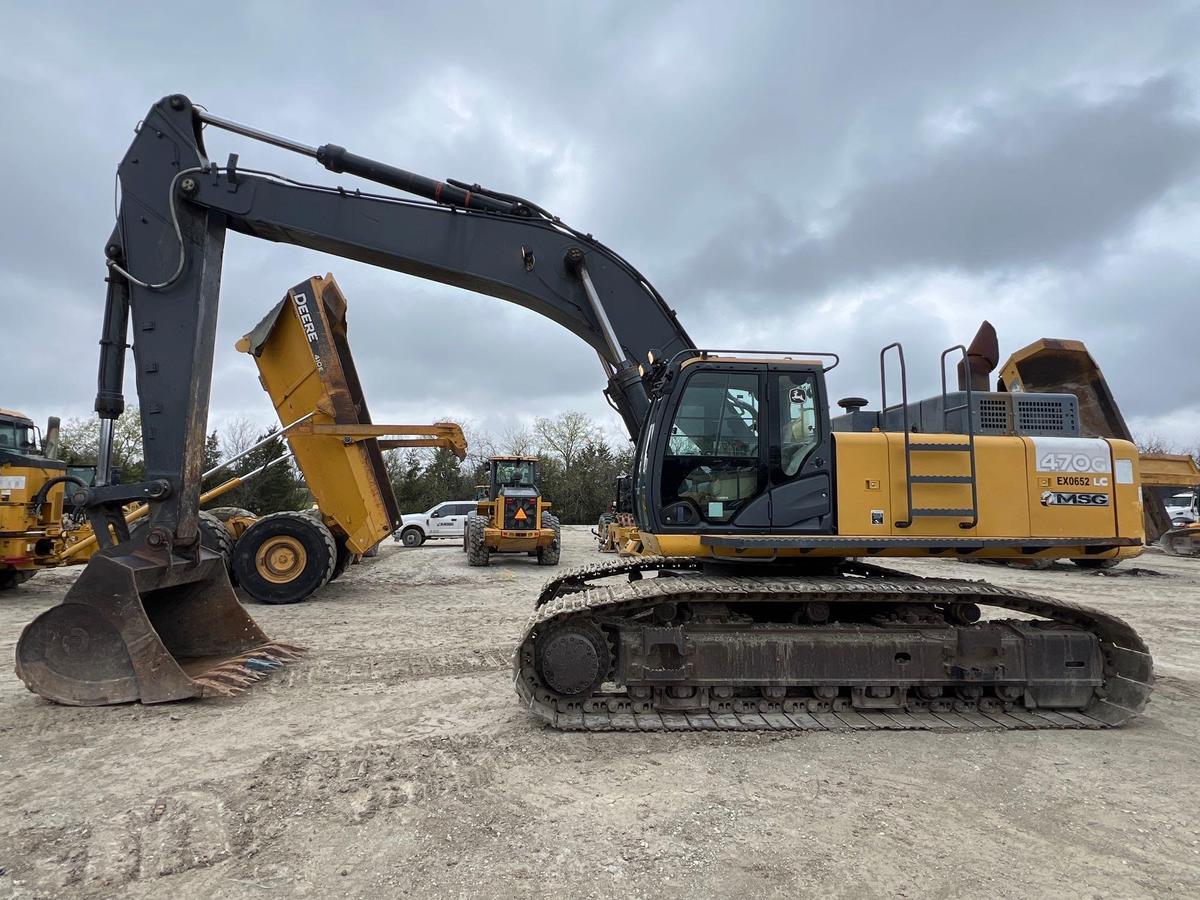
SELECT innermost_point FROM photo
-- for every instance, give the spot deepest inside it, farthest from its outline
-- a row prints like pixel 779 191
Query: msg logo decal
pixel 1064 498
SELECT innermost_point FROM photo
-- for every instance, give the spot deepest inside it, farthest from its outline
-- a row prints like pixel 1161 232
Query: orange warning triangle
pixel 520 516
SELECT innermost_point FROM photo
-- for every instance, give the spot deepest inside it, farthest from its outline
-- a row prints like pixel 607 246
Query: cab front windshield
pixel 515 473
pixel 17 436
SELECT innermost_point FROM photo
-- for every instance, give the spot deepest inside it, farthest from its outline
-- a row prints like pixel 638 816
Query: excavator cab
pixel 737 445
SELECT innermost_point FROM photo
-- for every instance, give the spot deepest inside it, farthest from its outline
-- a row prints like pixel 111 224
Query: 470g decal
pixel 1073 455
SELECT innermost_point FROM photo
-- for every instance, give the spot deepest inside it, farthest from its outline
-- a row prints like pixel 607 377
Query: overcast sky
pixel 791 176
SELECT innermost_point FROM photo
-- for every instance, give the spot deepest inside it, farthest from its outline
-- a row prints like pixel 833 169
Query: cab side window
pixel 799 422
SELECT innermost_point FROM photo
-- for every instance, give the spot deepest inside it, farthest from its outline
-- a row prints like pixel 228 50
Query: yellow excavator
pixel 760 600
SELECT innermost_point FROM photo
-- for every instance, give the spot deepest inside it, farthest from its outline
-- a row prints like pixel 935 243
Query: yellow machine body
pixel 30 534
pixel 1072 492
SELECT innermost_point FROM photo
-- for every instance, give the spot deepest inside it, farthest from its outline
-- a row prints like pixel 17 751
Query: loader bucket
pixel 134 629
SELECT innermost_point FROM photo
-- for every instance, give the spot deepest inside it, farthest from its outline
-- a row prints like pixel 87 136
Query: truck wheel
pixel 10 578
pixel 467 531
pixel 1096 563
pixel 548 556
pixel 478 553
pixel 284 558
pixel 412 536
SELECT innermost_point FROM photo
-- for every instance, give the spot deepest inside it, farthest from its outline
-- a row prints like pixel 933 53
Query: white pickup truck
pixel 446 520
pixel 1183 509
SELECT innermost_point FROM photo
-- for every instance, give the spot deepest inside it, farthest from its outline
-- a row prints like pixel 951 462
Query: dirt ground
pixel 395 760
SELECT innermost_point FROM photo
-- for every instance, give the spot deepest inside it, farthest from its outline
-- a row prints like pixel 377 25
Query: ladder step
pixel 936 511
pixel 913 445
pixel 942 479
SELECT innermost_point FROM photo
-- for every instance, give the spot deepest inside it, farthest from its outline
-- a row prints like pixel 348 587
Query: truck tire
pixel 213 534
pixel 284 558
pixel 467 531
pixel 548 556
pixel 478 553
pixel 11 578
pixel 412 536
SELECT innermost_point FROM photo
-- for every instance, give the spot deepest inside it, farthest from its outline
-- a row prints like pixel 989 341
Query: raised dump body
pixel 305 366
pixel 1051 365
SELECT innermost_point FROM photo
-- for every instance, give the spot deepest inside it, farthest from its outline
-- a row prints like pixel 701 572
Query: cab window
pixel 712 458
pixel 799 422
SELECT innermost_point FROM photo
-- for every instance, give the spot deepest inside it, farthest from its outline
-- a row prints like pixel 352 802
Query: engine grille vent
pixel 993 416
pixel 1045 416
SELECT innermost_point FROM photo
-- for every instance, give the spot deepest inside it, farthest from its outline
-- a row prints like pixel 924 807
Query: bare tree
pixel 238 435
pixel 516 440
pixel 566 435
pixel 1153 443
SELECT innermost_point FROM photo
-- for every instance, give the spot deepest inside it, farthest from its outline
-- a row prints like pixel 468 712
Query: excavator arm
pixel 165 259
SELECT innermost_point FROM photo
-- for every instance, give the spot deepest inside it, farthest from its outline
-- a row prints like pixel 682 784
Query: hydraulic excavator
pixel 753 606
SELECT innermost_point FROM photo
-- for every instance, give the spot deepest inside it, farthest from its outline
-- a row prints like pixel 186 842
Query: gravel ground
pixel 395 760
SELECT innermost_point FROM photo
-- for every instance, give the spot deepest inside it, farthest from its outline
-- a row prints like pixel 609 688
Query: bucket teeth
pixel 236 675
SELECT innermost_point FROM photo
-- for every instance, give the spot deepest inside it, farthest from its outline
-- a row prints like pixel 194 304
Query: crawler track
pixel 900 610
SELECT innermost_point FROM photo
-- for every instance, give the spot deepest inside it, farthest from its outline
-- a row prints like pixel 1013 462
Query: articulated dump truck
pixel 305 366
pixel 280 558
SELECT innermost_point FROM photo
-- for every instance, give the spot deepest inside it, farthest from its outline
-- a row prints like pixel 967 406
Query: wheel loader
pixel 760 599
pixel 513 517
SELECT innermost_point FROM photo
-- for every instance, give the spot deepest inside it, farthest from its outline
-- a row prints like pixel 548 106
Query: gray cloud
pixel 792 174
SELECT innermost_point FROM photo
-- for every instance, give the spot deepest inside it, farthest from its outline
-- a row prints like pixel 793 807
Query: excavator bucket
pixel 131 628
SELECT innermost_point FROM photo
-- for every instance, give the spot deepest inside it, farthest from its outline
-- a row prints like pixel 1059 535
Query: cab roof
pixel 16 416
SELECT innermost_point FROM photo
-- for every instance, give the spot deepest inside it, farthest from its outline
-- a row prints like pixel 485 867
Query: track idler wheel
pixel 573 659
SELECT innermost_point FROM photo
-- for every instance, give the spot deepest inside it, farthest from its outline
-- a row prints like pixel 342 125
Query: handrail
pixel 946 410
pixel 903 407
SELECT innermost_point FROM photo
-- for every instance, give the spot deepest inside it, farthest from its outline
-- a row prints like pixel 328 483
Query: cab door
pixel 442 522
pixel 713 476
pixel 800 452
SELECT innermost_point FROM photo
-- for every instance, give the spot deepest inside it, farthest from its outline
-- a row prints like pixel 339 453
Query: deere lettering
pixel 310 329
